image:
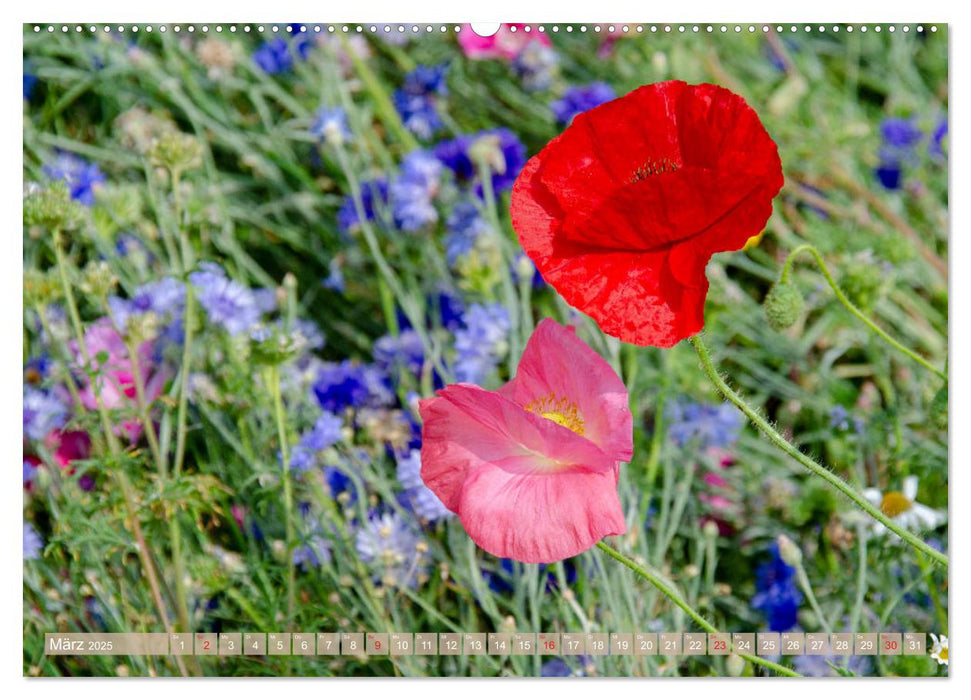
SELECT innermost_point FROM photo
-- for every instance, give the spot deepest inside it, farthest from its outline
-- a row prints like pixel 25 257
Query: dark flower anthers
pixel 622 211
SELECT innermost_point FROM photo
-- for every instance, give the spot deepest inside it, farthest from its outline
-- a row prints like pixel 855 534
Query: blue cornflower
pixel 338 482
pixel 402 353
pixel 559 668
pixel 264 300
pixel 335 276
pixel 503 151
pixel 465 224
pixel 372 192
pixel 413 191
pixel 33 544
pixel 330 126
pixel 276 56
pixel 936 146
pixel 227 302
pixel 889 172
pixel 327 431
pixel 36 369
pixel 421 499
pixel 415 100
pixel 351 384
pixel 777 595
pixel 393 549
pixel 450 309
pixel 43 412
pixel 839 418
pixel 580 98
pixel 536 66
pixel 426 80
pixel 79 175
pixel 900 133
pixel 30 81
pixel 712 425
pixel 481 343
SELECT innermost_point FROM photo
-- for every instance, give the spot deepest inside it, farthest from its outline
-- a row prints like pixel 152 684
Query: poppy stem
pixel 659 583
pixel 823 472
pixel 852 308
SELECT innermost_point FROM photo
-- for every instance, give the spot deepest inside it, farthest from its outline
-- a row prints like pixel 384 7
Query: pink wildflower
pixel 505 44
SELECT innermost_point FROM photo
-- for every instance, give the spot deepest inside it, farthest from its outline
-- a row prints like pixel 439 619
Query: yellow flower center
pixel 894 503
pixel 561 411
pixel 942 654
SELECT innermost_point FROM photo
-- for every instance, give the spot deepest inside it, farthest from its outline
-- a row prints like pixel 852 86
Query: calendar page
pixel 526 350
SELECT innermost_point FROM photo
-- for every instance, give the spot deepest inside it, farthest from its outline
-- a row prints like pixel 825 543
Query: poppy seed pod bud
pixel 735 665
pixel 783 305
pixel 788 551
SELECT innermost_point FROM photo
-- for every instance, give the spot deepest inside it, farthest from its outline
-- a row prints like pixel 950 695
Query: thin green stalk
pixel 806 461
pixel 811 596
pixel 114 447
pixel 274 381
pixel 656 581
pixel 851 307
pixel 857 611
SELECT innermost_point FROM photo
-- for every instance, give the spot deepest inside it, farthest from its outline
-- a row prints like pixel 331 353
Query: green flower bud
pixel 783 305
pixel 176 151
pixel 52 208
pixel 97 279
pixel 735 665
pixel 789 552
pixel 938 408
pixel 142 327
pixel 40 288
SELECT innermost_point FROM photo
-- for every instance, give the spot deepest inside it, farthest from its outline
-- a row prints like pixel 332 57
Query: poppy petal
pixel 548 374
pixel 540 517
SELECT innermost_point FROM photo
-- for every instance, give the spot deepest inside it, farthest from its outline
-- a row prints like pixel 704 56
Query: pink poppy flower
pixel 116 381
pixel 531 469
pixel 505 44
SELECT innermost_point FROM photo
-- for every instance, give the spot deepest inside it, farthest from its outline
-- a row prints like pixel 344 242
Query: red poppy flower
pixel 622 211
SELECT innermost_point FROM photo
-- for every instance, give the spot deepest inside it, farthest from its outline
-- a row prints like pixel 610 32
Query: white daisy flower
pixel 939 650
pixel 903 508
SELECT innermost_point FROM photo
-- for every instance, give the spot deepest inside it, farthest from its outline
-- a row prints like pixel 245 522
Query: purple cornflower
pixel 900 133
pixel 33 544
pixel 536 66
pixel 481 343
pixel 401 353
pixel 43 412
pixel 313 553
pixel 580 98
pixel 79 175
pixel 465 224
pixel 330 126
pixel 421 499
pixel 501 149
pixel 227 302
pixel 936 146
pixel 326 432
pixel 393 549
pixel 30 471
pixel 372 193
pixel 412 193
pixel 164 297
pixel 711 425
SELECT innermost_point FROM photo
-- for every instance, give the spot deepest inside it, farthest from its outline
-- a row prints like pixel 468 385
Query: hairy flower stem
pixel 658 582
pixel 811 596
pixel 141 545
pixel 273 373
pixel 832 479
pixel 852 308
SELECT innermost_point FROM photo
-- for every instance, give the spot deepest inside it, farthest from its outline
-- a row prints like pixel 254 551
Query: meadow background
pixel 291 233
